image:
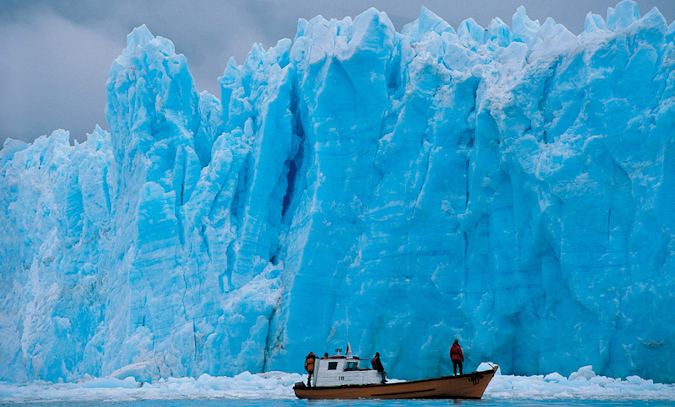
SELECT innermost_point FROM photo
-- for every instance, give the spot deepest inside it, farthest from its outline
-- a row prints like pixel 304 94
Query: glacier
pixel 510 186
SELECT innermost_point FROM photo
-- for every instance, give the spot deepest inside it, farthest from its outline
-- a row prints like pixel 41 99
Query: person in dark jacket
pixel 377 365
pixel 309 367
pixel 457 357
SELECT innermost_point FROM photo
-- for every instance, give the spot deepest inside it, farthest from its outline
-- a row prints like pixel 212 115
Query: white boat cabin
pixel 343 370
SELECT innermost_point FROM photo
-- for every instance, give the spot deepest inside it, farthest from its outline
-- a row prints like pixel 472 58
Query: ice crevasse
pixel 510 186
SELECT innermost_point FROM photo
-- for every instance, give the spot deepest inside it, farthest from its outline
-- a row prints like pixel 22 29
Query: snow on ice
pixel 511 186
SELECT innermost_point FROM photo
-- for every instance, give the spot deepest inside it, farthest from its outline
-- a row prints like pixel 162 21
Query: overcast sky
pixel 55 55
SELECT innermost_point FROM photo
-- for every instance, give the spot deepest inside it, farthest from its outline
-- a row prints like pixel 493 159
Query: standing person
pixel 309 367
pixel 377 365
pixel 457 357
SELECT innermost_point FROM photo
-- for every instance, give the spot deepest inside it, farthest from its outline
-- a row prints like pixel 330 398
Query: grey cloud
pixel 52 75
pixel 55 55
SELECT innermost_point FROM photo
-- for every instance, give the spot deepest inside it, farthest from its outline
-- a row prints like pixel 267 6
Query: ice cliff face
pixel 509 186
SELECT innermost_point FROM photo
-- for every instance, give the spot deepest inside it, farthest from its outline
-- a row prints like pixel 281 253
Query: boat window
pixel 332 365
pixel 352 366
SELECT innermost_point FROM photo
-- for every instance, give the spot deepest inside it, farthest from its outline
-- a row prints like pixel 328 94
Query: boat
pixel 343 377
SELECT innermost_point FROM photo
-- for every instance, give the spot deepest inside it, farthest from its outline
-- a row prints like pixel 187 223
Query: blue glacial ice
pixel 510 186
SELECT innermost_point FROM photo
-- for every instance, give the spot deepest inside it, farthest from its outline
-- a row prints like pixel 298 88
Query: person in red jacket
pixel 457 357
pixel 309 367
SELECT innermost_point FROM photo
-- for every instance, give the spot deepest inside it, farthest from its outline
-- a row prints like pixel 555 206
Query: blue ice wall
pixel 510 186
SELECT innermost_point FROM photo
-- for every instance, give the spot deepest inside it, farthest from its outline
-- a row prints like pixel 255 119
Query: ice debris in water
pixel 278 385
pixel 510 186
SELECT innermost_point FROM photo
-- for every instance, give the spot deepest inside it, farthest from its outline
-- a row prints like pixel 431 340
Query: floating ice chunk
pixel 584 372
pixel 487 366
pixel 554 377
pixel 638 380
pixel 100 383
pixel 278 385
pixel 140 372
pixel 556 387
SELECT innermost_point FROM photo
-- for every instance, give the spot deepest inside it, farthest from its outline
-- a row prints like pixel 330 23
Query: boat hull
pixel 469 386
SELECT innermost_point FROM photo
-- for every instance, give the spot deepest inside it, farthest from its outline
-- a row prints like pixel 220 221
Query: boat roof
pixel 340 357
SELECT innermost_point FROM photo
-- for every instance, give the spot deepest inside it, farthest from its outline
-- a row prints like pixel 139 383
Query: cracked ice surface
pixel 511 186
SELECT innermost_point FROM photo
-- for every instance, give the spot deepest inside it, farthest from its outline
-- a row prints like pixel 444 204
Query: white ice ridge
pixel 512 186
pixel 583 384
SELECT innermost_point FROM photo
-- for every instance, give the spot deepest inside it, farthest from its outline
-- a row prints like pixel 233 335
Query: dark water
pixel 358 403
